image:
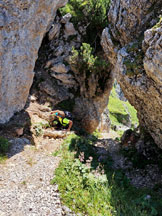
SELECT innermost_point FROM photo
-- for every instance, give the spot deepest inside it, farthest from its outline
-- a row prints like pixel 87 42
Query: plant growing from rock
pixel 4 145
pixel 85 60
pixel 90 68
pixel 92 13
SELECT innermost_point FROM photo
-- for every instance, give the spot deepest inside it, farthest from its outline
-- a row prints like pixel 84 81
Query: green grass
pixel 95 189
pixel 2 158
pixel 4 147
pixel 118 112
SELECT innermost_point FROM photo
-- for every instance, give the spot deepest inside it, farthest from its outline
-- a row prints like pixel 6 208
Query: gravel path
pixel 25 188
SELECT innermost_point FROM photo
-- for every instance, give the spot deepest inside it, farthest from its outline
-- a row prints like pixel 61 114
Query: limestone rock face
pixel 22 27
pixel 129 18
pixel 85 93
pixel 104 125
pixel 137 62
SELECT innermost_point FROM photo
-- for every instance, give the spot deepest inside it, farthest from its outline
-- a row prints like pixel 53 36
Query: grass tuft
pixel 4 147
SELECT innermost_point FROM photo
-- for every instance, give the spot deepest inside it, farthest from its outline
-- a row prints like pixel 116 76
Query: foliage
pixel 84 61
pixel 119 109
pixel 91 12
pixel 92 188
pixel 38 128
pixel 4 146
pixel 134 61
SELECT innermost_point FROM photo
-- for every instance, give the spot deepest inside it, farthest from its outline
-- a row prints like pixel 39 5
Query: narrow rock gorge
pixel 133 45
pixel 36 41
pixel 68 82
pixel 23 27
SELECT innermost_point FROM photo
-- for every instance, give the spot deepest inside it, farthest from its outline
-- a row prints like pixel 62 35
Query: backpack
pixel 68 115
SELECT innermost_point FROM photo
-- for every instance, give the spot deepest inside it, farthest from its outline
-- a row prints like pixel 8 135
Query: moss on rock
pixel 134 61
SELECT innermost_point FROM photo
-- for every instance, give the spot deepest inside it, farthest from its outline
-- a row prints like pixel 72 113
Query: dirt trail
pixel 25 188
pixel 25 184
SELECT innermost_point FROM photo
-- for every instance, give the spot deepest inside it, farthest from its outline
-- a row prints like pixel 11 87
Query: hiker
pixel 62 118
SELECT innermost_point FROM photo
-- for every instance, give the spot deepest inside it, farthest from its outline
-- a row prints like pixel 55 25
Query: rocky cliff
pixel 22 27
pixel 133 44
pixel 64 83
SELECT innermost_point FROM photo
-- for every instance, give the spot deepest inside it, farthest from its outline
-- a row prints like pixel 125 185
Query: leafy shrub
pixel 4 145
pixel 38 128
pixel 91 12
pixel 84 60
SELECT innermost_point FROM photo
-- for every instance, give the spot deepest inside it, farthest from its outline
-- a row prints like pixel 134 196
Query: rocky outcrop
pixel 83 93
pixel 22 27
pixel 133 44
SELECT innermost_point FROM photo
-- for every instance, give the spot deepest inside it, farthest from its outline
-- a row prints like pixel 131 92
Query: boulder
pixel 60 68
pixel 137 62
pixel 56 92
pixel 69 29
pixel 22 27
pixel 66 18
pixel 66 79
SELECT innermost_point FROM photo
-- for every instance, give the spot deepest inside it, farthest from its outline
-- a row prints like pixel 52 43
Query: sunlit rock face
pixel 133 44
pixel 22 27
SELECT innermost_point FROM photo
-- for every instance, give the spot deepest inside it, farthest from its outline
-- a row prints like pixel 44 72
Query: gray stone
pixel 69 29
pixel 23 25
pixel 59 51
pixel 66 18
pixel 60 68
pixel 53 61
pixel 54 31
pixel 143 87
pixel 53 89
pixel 66 79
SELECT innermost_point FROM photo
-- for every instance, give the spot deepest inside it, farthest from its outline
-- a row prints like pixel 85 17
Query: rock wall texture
pixel 22 27
pixel 86 96
pixel 133 44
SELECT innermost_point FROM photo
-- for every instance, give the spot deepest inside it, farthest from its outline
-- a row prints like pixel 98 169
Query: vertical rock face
pixel 133 44
pixel 84 94
pixel 22 27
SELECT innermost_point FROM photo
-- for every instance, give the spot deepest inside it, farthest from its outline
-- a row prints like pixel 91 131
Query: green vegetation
pixel 4 147
pixel 119 110
pixel 134 61
pixel 38 128
pixel 84 61
pixel 91 16
pixel 91 12
pixel 90 187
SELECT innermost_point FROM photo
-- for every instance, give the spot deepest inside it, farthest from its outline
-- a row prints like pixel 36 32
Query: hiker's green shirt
pixel 64 121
